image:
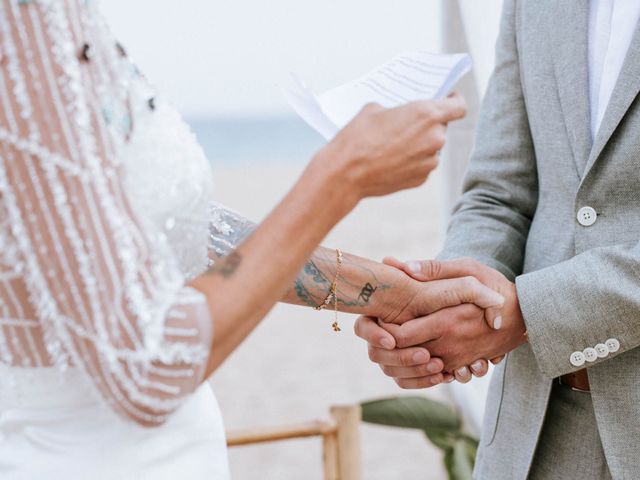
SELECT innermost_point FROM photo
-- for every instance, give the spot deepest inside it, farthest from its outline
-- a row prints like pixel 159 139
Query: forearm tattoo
pixel 367 291
pixel 313 284
pixel 228 229
pixel 311 278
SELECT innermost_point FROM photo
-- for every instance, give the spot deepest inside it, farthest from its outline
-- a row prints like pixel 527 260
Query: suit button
pixel 577 359
pixel 590 354
pixel 602 349
pixel 587 216
pixel 613 345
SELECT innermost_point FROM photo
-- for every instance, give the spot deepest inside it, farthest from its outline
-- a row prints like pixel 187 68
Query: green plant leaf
pixel 439 422
pixel 472 449
pixel 460 465
pixel 448 463
pixel 442 439
pixel 411 412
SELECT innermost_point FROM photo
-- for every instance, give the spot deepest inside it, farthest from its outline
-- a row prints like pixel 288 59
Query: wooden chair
pixel 340 440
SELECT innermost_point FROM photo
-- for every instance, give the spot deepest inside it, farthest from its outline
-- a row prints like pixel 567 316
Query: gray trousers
pixel 569 447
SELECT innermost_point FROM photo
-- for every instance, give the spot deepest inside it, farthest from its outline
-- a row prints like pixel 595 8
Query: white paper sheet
pixel 408 77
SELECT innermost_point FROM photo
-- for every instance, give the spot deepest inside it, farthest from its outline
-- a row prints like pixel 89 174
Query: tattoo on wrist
pixel 227 266
pixel 314 282
pixel 311 269
pixel 304 294
pixel 367 291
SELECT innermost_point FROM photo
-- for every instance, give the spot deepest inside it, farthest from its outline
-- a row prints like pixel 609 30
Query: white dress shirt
pixel 612 24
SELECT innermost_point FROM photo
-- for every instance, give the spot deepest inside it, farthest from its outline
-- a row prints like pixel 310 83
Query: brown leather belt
pixel 578 381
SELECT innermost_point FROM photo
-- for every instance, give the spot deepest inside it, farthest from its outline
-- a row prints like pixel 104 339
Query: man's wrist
pixel 520 317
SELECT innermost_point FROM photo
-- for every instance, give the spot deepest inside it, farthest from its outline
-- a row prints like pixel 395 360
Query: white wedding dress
pixel 105 214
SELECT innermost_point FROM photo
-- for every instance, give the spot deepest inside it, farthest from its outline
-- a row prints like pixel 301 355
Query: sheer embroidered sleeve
pixel 227 230
pixel 97 283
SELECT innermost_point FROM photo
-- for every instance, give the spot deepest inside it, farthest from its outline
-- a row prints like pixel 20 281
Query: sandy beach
pixel 294 367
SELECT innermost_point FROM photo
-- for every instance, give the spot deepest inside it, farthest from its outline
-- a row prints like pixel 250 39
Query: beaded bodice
pixel 105 213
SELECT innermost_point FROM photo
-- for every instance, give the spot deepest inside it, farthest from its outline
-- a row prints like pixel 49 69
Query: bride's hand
pixel 383 150
pixel 416 298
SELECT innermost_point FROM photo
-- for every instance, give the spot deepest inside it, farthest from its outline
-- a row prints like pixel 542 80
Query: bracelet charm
pixel 333 293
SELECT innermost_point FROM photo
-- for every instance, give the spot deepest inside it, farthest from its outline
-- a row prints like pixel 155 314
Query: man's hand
pixel 434 270
pixel 459 336
pixel 418 298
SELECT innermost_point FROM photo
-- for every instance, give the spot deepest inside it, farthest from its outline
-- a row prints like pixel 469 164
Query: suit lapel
pixel 569 22
pixel 624 93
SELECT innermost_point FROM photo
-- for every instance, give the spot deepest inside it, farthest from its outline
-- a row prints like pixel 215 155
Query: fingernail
pixel 420 357
pixel 463 372
pixel 436 381
pixel 497 323
pixel 476 366
pixel 414 267
pixel 433 368
pixel 449 379
pixel 387 343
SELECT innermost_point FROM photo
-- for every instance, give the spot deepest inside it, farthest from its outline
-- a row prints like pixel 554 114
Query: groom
pixel 552 201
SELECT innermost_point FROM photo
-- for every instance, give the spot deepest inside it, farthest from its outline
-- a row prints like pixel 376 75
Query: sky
pixel 229 57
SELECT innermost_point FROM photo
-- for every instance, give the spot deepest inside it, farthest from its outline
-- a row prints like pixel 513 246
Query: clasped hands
pixel 454 342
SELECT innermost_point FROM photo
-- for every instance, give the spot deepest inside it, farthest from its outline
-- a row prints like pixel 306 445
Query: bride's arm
pixel 365 287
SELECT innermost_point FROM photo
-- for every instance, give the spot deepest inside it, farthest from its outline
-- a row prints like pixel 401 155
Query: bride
pixel 124 286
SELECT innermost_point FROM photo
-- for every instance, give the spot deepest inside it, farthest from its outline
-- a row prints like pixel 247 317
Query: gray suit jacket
pixel 533 168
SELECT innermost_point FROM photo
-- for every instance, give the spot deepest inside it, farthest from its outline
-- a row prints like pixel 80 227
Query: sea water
pixel 249 141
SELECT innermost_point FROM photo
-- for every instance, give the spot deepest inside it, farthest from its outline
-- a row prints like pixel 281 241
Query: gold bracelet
pixel 333 292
